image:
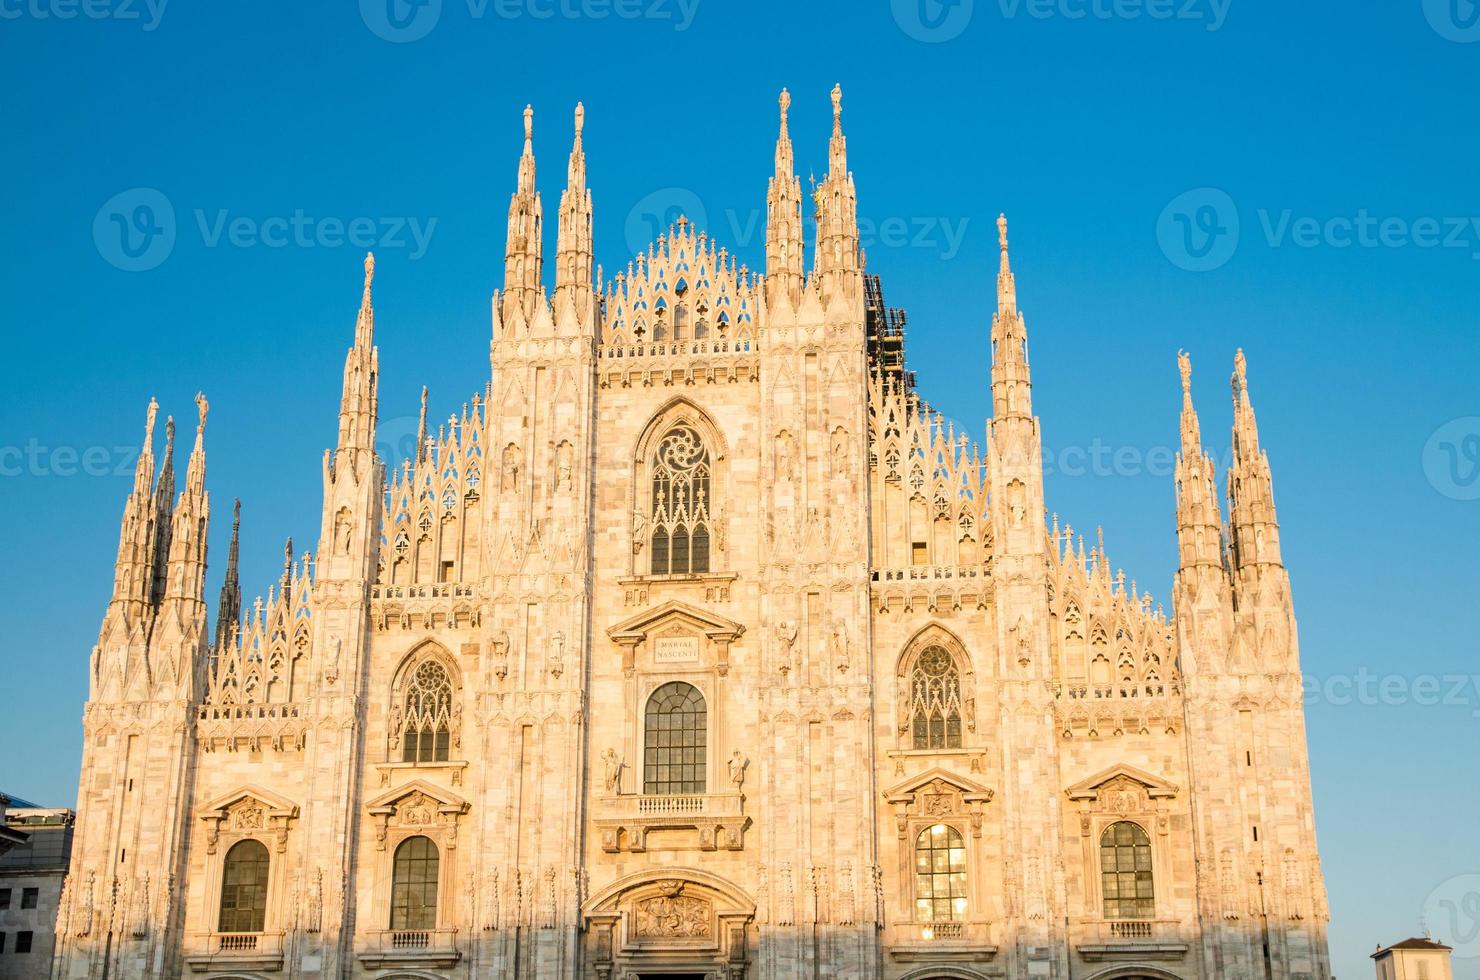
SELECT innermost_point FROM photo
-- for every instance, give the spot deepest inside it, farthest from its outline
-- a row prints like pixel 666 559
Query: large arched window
pixel 940 875
pixel 681 500
pixel 1125 872
pixel 935 700
pixel 674 740
pixel 244 888
pixel 414 885
pixel 426 722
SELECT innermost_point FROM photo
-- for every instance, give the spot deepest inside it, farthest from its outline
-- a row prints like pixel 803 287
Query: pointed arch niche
pixel 679 497
pixel 424 714
pixel 935 695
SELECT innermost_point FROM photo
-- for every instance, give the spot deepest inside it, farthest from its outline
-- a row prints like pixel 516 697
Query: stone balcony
pixel 260 952
pixel 408 949
pixel 708 821
pixel 942 942
pixel 1138 939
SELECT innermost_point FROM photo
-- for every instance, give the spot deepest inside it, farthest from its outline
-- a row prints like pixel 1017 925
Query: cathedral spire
pixel 1011 379
pixel 522 254
pixel 1256 535
pixel 164 506
pixel 1199 521
pixel 421 428
pixel 133 570
pixel 229 609
pixel 359 398
pixel 574 248
pixel 838 264
pixel 784 268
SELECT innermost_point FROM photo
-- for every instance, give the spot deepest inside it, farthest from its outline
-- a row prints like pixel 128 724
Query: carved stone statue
pixel 738 764
pixel 613 778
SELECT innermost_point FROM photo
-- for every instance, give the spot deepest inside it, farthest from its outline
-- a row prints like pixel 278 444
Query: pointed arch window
pixel 682 474
pixel 426 725
pixel 935 700
pixel 1126 882
pixel 940 874
pixel 675 741
pixel 414 884
pixel 244 888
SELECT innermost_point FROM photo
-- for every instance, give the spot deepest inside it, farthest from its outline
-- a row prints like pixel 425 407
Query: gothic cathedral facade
pixel 698 645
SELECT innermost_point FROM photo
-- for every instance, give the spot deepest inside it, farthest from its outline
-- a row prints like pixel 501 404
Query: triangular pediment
pixel 1089 789
pixel 970 790
pixel 275 805
pixel 640 626
pixel 445 801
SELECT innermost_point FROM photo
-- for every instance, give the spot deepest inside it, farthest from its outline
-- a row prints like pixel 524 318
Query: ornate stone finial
pixel 1002 231
pixel 1184 363
pixel 785 102
pixel 169 434
pixel 149 415
pixel 369 269
pixel 1240 371
pixel 203 407
pixel 528 125
pixel 837 100
pixel 236 516
pixel 580 118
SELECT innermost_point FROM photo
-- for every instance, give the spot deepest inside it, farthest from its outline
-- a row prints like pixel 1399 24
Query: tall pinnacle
pixel 574 248
pixel 1251 512
pixel 837 150
pixel 523 256
pixel 1191 432
pixel 228 611
pixel 838 263
pixel 359 396
pixel 1199 521
pixel 785 272
pixel 1011 380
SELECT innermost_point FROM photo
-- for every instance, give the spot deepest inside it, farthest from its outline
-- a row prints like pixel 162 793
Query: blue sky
pixel 1331 230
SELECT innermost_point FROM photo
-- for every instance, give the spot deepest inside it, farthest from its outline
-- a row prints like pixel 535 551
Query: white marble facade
pixel 698 645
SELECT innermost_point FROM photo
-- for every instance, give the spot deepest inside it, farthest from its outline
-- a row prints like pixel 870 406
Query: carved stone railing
pixel 233 726
pixel 208 952
pixel 718 819
pixel 932 573
pixel 677 348
pixel 423 590
pixel 390 948
pixel 1146 939
pixel 929 941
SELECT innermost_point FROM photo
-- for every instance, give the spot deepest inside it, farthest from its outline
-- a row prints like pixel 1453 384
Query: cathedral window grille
pixel 1125 872
pixel 426 726
pixel 681 501
pixel 935 701
pixel 414 885
pixel 244 888
pixel 674 741
pixel 940 875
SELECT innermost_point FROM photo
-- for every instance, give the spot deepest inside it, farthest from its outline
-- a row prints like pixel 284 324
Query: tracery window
pixel 935 700
pixel 674 740
pixel 940 875
pixel 414 885
pixel 426 723
pixel 1125 872
pixel 681 502
pixel 244 888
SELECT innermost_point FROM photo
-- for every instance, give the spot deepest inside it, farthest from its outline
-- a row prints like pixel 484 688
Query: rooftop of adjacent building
pixel 34 838
pixel 1413 943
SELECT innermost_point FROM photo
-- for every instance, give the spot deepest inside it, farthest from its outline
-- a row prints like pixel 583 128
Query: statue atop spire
pixel 523 253
pixel 574 246
pixel 1011 385
pixel 784 265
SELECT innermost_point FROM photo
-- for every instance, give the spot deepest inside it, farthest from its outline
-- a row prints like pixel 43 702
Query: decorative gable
pixel 246 812
pixel 676 632
pixel 937 794
pixel 417 807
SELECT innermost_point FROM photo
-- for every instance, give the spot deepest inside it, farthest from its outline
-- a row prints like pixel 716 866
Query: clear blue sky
pixel 1084 129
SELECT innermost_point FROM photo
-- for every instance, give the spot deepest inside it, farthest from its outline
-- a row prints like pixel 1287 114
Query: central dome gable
pixel 682 289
